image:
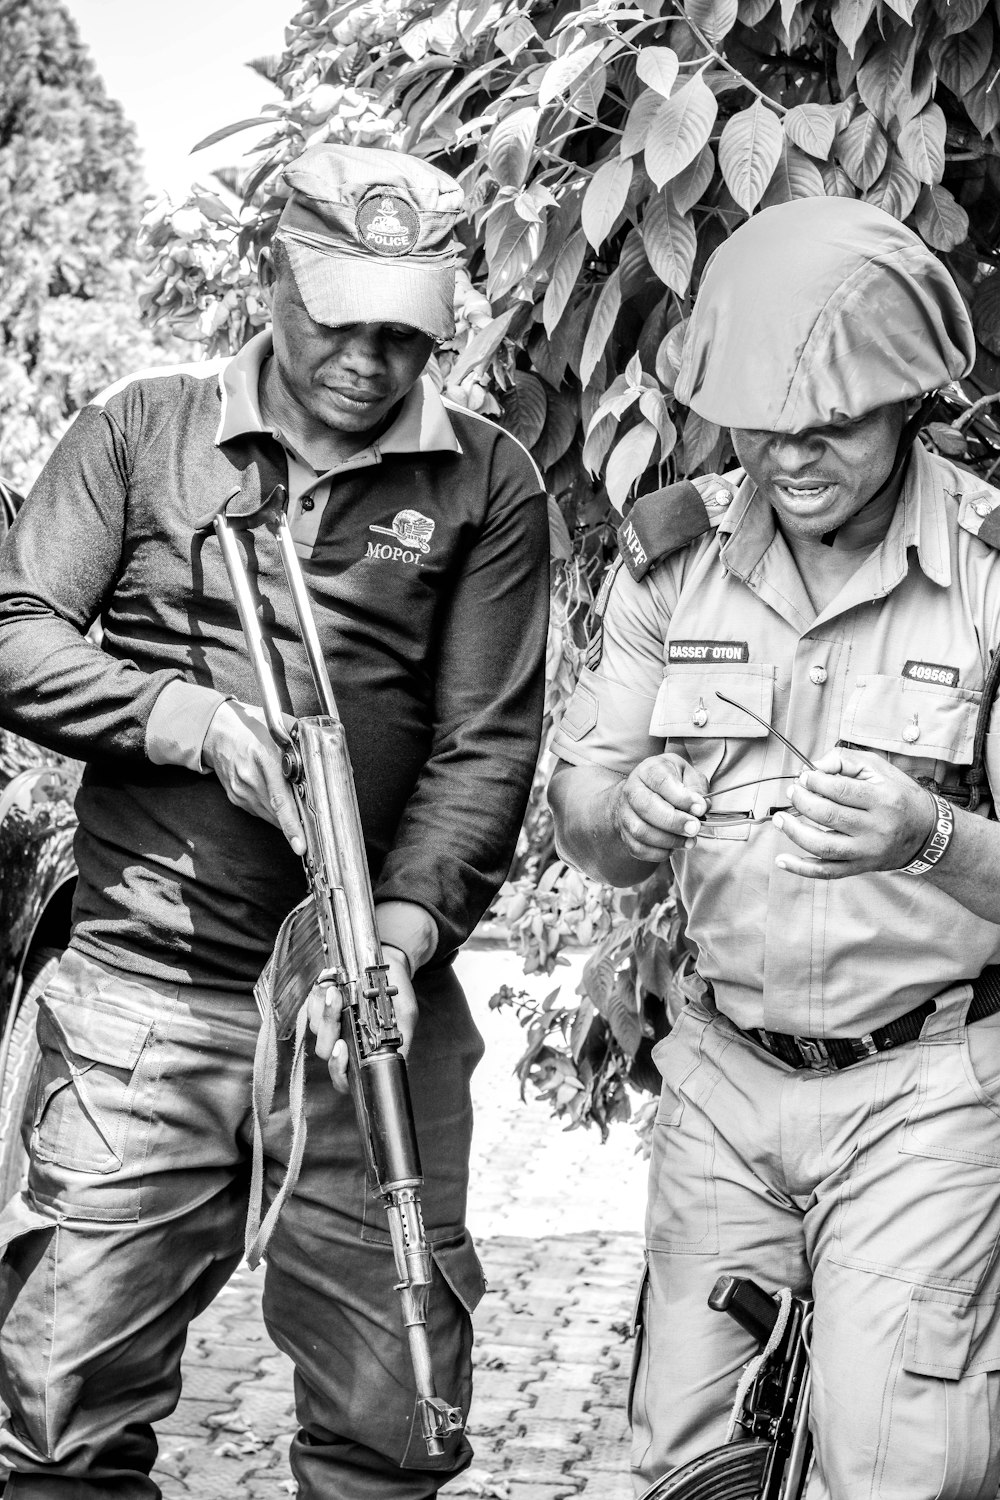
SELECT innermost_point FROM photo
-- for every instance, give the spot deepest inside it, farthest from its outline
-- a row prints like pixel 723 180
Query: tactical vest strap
pixel 661 523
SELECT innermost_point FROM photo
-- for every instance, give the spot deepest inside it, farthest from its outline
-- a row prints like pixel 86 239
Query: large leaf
pixel 228 130
pixel 481 349
pixel 713 18
pixel 586 94
pixel 986 312
pixel 749 150
pixel 959 15
pixel 962 59
pixel 598 443
pixel 640 118
pixel 602 324
pixel 680 128
pixel 668 356
pixel 921 144
pixel 516 253
pixel 941 221
pixel 561 421
pixel 628 462
pixel 511 145
pixel 904 8
pixel 524 408
pixel 702 441
pixel 795 176
pixel 514 35
pixel 982 104
pixel 850 17
pixel 561 74
pixel 862 149
pixel 688 186
pixel 920 91
pixel 657 67
pixel 752 12
pixel 636 271
pixel 653 406
pixel 670 241
pixel 563 280
pixel 811 127
pixel 885 75
pixel 605 199
pixel 896 189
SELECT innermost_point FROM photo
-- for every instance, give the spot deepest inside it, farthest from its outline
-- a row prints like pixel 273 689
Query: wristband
pixel 937 843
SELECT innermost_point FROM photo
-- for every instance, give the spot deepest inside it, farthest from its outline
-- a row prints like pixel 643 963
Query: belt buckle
pixel 812 1052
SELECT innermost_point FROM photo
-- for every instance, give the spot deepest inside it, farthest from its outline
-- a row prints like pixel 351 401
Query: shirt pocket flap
pixel 917 719
pixel 948 1336
pixel 98 1032
pixel 687 706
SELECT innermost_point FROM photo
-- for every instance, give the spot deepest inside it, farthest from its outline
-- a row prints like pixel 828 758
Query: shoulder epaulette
pixel 661 523
pixel 979 513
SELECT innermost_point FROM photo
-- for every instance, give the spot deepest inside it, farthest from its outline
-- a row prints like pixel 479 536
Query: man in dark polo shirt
pixel 422 532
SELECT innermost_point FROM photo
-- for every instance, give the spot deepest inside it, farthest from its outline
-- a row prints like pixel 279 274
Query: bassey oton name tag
pixel 708 651
pixel 931 671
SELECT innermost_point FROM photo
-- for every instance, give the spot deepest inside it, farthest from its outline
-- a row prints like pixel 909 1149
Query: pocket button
pixel 817 675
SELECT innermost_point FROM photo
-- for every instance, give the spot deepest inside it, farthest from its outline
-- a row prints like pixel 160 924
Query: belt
pixel 844 1051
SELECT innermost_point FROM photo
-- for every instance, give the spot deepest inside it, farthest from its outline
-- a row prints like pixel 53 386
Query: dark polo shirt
pixel 427 565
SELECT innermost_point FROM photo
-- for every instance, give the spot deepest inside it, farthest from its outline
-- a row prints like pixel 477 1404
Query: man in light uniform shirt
pixel 830 1113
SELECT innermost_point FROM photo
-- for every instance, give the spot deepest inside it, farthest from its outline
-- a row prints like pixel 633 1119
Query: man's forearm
pixel 582 799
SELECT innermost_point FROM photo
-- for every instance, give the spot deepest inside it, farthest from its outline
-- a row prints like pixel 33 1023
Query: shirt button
pixel 984 508
pixel 817 675
pixel 308 503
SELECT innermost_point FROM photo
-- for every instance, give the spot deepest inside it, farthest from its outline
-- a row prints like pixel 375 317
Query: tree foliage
pixel 70 203
pixel 607 149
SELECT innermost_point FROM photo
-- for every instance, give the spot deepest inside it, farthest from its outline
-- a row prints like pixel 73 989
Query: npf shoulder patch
pixel 662 523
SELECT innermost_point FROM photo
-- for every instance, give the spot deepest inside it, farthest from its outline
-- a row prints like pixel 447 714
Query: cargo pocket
pixel 954 1342
pixel 636 1331
pixel 91 1107
pixel 682 1215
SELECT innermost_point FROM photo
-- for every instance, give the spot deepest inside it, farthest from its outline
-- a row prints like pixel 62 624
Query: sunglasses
pixel 734 819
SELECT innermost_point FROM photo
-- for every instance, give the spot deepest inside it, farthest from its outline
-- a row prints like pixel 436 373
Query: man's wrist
pixel 935 844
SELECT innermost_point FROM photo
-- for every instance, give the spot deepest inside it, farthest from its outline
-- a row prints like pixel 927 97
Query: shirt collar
pixel 421 425
pixel 920 520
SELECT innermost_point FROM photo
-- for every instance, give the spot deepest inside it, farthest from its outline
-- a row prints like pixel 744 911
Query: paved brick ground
pixel 557 1218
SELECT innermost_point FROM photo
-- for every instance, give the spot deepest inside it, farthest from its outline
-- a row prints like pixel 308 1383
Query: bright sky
pixel 179 72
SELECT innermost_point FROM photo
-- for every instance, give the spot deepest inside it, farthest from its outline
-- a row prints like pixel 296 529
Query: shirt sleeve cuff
pixel 403 924
pixel 178 724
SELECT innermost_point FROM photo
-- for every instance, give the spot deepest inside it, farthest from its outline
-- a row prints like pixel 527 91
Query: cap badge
pixel 387 225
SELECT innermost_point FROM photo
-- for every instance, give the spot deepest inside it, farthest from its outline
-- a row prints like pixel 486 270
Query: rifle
pixel 316 763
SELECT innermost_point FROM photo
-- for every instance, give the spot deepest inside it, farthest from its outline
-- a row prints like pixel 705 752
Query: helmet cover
pixel 819 311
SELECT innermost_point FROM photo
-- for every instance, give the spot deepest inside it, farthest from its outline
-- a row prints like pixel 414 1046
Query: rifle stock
pixel 316 762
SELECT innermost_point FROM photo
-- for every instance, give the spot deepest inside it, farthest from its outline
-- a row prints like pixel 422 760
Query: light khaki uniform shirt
pixel 894 664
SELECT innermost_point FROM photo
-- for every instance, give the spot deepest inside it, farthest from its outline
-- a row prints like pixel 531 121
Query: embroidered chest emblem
pixel 411 531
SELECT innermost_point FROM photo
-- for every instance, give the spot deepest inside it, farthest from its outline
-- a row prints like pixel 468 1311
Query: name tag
pixel 708 652
pixel 931 671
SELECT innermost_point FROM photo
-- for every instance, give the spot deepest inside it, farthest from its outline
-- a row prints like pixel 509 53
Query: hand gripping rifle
pixel 315 761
